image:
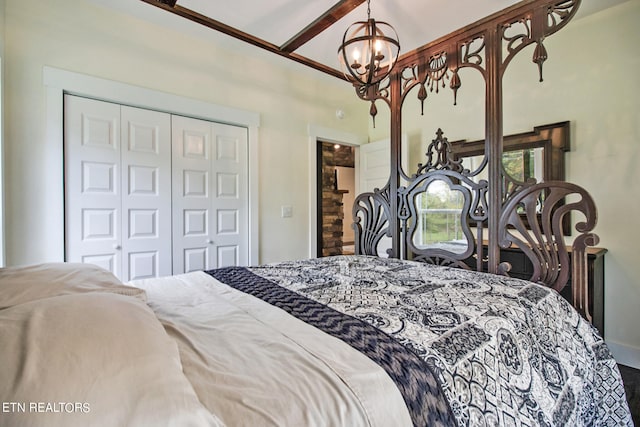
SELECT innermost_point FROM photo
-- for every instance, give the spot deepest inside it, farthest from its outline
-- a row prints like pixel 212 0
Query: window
pixel 439 216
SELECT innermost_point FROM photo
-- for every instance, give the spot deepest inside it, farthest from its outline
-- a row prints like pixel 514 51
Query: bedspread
pixel 502 351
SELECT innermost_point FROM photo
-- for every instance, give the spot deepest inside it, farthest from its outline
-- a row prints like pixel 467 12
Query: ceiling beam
pixel 241 35
pixel 323 22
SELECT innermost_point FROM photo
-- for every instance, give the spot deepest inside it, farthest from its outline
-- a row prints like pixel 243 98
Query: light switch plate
pixel 287 211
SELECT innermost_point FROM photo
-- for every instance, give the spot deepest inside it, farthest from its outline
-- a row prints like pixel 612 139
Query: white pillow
pixel 23 284
pixel 98 359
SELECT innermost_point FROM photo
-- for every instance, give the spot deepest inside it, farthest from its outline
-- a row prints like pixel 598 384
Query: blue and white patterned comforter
pixel 489 350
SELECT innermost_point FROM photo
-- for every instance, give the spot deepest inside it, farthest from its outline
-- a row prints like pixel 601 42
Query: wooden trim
pixel 553 138
pixel 242 36
pixel 323 22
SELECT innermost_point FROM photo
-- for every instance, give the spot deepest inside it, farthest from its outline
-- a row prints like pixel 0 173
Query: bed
pixel 345 341
pixel 400 334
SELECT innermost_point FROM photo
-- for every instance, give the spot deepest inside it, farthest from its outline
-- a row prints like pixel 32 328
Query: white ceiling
pixel 417 22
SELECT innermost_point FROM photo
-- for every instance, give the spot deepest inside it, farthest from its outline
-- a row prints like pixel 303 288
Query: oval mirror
pixel 440 219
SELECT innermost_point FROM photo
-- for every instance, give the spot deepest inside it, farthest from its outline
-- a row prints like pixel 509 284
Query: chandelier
pixel 369 50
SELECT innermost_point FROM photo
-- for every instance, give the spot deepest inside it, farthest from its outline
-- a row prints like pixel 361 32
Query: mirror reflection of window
pixel 524 164
pixel 519 164
pixel 439 218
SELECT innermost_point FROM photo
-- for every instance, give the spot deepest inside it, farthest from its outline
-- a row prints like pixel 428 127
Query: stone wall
pixel 332 207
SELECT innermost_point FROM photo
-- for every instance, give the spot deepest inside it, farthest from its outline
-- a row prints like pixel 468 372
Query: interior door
pixel 210 195
pixel 374 164
pixel 191 190
pixel 375 159
pixel 373 170
pixel 146 193
pixel 93 207
pixel 118 188
pixel 230 210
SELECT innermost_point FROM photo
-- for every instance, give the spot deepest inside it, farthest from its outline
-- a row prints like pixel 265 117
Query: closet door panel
pixel 210 193
pixel 93 183
pixel 191 171
pixel 146 193
pixel 230 206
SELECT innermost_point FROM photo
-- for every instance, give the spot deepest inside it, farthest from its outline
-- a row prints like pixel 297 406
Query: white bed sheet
pixel 253 364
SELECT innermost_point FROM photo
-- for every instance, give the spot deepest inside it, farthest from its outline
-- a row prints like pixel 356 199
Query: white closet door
pixel 92 183
pixel 210 193
pixel 118 188
pixel 146 193
pixel 230 210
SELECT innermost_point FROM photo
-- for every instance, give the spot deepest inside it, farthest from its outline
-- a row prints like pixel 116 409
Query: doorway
pixel 335 168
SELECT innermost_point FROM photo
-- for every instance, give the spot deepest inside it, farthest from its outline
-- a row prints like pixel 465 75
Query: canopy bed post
pixel 396 164
pixel 493 140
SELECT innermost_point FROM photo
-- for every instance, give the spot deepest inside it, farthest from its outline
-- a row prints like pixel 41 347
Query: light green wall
pixel 596 91
pixel 79 36
pixel 589 79
pixel 2 13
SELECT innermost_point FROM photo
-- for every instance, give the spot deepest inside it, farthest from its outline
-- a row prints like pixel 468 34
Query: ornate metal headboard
pixel 458 198
pixel 532 219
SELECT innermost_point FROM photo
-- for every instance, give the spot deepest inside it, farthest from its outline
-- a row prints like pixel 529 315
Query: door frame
pixel 58 82
pixel 317 134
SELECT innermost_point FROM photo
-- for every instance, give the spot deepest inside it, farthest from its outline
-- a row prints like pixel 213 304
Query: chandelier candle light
pixel 369 50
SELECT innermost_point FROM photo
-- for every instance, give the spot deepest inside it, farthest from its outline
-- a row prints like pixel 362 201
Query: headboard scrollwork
pixel 441 192
pixel 543 240
pixel 438 207
pixel 371 219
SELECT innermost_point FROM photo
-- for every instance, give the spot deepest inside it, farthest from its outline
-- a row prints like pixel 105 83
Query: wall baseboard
pixel 625 354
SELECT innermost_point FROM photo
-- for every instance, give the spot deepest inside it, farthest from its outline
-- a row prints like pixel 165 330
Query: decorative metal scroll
pixel 511 185
pixel 443 171
pixel 371 211
pixel 543 241
pixel 432 65
pixel 443 66
pixel 371 216
pixel 431 75
pixel 374 92
pixel 534 27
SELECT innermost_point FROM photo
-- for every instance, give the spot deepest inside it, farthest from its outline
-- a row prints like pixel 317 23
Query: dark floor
pixel 631 379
